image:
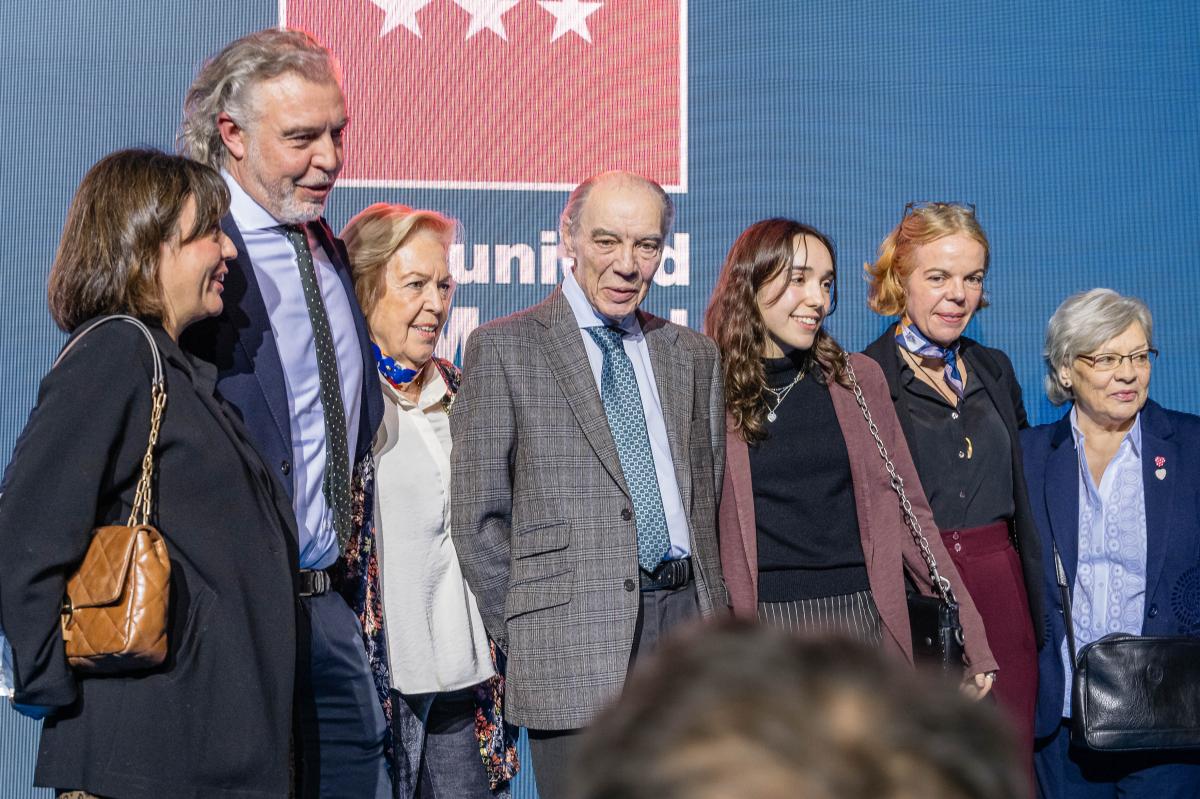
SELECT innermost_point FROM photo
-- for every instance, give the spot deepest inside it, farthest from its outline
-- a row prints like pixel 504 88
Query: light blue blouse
pixel 1109 594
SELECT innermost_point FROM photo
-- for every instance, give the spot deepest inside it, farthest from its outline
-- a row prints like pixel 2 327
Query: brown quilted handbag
pixel 114 615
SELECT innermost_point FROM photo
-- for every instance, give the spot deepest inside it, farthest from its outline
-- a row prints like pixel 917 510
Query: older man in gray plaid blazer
pixel 588 458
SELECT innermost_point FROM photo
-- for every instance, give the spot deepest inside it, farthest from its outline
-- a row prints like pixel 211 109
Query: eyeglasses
pixel 1108 361
pixel 917 205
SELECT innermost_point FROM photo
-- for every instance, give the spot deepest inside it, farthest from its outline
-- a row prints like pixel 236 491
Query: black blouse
pixel 807 524
pixel 964 453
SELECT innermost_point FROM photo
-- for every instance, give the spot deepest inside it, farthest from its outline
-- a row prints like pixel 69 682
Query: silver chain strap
pixel 914 526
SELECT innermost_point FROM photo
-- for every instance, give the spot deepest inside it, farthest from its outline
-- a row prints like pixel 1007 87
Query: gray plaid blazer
pixel 541 515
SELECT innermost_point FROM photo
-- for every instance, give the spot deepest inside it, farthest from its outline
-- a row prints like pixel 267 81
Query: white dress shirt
pixel 274 263
pixel 436 638
pixel 656 426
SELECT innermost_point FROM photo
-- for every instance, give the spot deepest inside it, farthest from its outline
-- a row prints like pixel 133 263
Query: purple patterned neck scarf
pixel 912 339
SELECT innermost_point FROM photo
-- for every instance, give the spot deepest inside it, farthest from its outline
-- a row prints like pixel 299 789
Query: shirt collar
pixel 247 213
pixel 587 316
pixel 1134 436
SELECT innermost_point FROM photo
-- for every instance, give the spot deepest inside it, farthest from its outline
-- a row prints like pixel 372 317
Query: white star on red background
pixel 400 12
pixel 487 14
pixel 570 16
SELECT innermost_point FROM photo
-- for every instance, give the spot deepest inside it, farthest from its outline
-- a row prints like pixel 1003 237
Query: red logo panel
pixel 509 94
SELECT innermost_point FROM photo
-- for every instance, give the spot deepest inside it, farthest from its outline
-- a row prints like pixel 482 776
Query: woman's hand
pixel 977 686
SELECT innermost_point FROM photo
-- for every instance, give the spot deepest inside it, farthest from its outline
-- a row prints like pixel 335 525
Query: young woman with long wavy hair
pixel 812 536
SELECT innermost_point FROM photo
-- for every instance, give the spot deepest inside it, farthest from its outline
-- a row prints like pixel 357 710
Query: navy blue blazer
pixel 1172 533
pixel 250 375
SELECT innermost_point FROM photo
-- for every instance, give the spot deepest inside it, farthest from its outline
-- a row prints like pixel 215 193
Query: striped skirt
pixel 854 615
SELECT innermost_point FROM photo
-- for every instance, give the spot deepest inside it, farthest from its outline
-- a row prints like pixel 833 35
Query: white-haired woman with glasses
pixel 961 409
pixel 1115 486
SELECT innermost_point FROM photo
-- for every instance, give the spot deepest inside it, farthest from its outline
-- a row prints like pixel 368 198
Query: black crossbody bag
pixel 937 632
pixel 1132 693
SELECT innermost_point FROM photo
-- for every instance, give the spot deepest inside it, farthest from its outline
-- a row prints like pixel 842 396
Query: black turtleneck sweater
pixel 808 538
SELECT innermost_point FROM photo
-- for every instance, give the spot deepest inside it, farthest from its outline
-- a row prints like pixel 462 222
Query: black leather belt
pixel 314 582
pixel 669 574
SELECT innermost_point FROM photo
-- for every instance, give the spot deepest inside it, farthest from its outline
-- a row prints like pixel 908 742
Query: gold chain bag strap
pixel 114 616
pixel 937 633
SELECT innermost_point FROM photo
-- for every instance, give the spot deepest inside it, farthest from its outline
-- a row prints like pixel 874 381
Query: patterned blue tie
pixel 623 406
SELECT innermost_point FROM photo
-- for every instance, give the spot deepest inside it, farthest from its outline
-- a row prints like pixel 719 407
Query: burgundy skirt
pixel 991 571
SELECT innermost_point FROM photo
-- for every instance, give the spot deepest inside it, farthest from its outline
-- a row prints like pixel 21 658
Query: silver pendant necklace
pixel 780 395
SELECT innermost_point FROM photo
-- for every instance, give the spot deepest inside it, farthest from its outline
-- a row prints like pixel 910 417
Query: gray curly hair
pixel 225 83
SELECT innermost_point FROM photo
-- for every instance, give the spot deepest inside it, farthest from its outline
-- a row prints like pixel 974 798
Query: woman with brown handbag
pixel 209 713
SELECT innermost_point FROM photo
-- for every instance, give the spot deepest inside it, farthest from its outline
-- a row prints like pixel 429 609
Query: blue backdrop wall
pixel 1073 126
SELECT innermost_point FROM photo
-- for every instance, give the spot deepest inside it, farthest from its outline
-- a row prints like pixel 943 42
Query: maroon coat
pixel 886 542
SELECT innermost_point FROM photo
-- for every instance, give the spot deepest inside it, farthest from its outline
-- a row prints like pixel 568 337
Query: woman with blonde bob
pixel 441 660
pixel 811 532
pixel 961 411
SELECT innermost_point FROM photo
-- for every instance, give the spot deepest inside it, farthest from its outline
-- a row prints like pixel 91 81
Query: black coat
pixel 214 719
pixel 995 372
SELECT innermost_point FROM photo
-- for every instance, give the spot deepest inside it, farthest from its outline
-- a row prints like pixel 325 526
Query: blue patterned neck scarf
pixel 912 339
pixel 396 374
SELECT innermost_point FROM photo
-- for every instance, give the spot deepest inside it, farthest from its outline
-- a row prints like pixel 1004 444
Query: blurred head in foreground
pixel 742 711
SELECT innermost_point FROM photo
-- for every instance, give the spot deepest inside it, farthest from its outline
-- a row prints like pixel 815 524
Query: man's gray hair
pixel 569 220
pixel 1082 324
pixel 225 84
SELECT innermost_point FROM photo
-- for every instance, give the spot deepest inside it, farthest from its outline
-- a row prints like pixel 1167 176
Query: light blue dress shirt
pixel 1109 595
pixel 274 263
pixel 660 446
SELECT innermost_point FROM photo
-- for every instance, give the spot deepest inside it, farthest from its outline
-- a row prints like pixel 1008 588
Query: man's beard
pixel 280 196
pixel 284 205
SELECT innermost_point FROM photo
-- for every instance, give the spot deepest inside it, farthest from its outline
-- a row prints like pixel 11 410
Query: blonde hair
pixel 374 235
pixel 897 253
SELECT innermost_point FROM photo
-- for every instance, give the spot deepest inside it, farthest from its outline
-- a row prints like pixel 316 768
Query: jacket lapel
pixel 737 466
pixel 1061 488
pixel 243 294
pixel 864 456
pixel 1159 494
pixel 674 380
pixel 205 389
pixel 981 368
pixel 568 359
pixel 884 352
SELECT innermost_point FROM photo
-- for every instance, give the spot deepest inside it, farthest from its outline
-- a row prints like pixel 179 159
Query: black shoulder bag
pixel 1132 693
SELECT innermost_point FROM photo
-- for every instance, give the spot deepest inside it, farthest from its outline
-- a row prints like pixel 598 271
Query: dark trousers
pixel 660 612
pixel 451 765
pixel 340 725
pixel 1067 772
